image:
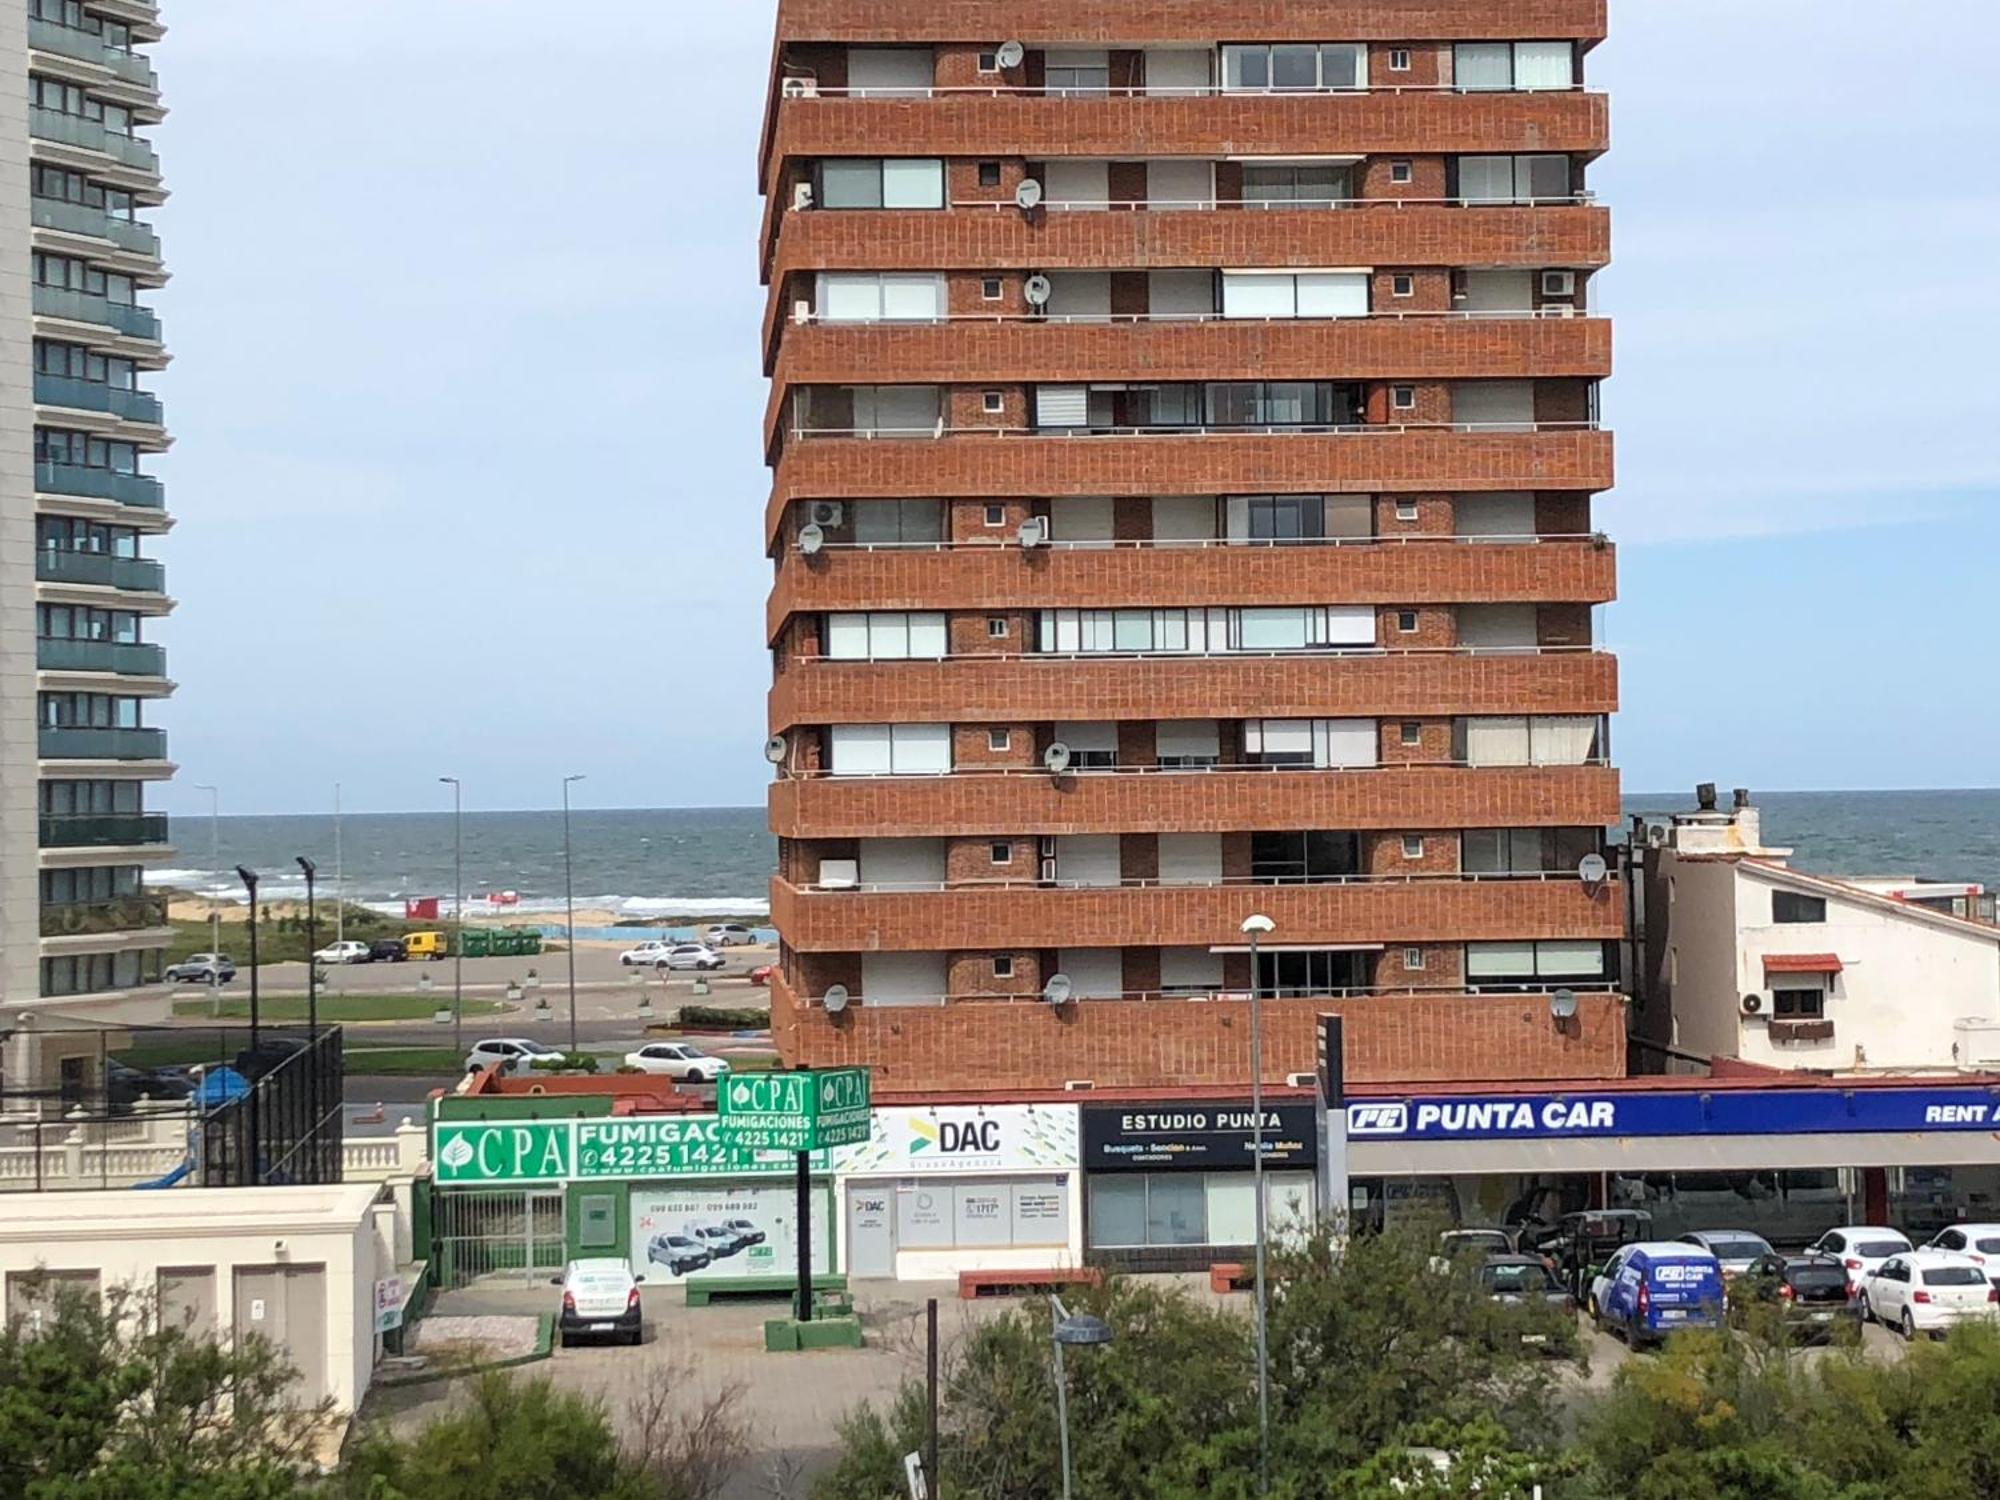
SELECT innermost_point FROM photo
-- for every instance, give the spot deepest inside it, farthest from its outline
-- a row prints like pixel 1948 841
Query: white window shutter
pixel 1062 406
pixel 847 637
pixel 1333 294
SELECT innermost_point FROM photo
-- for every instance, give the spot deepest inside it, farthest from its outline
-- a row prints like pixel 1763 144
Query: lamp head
pixel 1259 924
pixel 247 875
pixel 1082 1331
pixel 308 866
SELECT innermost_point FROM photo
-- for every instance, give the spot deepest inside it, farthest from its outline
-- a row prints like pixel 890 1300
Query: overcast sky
pixel 466 393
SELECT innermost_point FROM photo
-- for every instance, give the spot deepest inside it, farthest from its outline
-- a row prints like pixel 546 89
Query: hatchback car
pixel 689 956
pixel 681 1060
pixel 600 1300
pixel 1526 1281
pixel 1809 1291
pixel 202 968
pixel 1652 1289
pixel 677 1253
pixel 349 952
pixel 1862 1248
pixel 1980 1242
pixel 645 953
pixel 511 1053
pixel 1928 1291
pixel 728 935
pixel 386 951
pixel 1737 1249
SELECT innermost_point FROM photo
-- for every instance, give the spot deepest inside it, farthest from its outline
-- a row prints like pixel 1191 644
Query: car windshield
pixel 1807 1278
pixel 598 1281
pixel 1879 1249
pixel 1521 1280
pixel 1954 1276
pixel 1736 1246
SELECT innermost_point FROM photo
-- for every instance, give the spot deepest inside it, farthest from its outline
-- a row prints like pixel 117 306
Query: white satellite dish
pixel 1562 1004
pixel 835 999
pixel 811 538
pixel 1010 54
pixel 1592 869
pixel 1058 990
pixel 1033 533
pixel 1038 288
pixel 775 749
pixel 1028 194
pixel 1056 758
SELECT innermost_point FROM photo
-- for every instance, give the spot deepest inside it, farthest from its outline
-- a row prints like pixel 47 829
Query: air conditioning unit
pixel 1302 1080
pixel 839 874
pixel 802 311
pixel 1558 283
pixel 800 88
pixel 802 197
pixel 1079 1085
pixel 829 513
pixel 1753 1005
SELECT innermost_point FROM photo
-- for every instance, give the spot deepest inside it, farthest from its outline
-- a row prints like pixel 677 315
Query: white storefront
pixel 950 1188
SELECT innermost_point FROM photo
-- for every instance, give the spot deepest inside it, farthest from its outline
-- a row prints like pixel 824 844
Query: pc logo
pixel 1378 1119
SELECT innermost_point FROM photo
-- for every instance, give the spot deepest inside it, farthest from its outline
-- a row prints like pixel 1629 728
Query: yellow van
pixel 431 945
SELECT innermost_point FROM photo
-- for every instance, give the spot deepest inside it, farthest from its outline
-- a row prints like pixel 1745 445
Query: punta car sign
pixel 807 1111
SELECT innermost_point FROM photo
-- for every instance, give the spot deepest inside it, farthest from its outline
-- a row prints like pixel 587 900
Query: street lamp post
pixel 1071 1330
pixel 457 912
pixel 1256 926
pixel 214 863
pixel 569 908
pixel 312 946
pixel 250 1102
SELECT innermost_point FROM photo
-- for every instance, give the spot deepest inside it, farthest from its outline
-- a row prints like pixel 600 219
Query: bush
pixel 723 1018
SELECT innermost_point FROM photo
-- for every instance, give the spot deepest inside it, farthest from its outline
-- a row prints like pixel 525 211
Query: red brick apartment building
pixel 1183 437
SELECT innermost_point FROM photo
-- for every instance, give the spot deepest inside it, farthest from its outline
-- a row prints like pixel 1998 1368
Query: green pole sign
pixel 810 1111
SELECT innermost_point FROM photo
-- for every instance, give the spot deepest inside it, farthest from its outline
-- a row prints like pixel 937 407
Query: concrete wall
pixel 1697 907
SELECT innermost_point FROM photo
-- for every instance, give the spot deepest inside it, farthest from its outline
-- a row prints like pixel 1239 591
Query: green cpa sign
pixel 811 1111
pixel 528 1151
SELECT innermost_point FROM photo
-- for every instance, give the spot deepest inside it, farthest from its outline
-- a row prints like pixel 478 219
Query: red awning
pixel 1802 963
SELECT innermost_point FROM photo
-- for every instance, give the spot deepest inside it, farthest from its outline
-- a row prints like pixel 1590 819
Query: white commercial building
pixel 1745 957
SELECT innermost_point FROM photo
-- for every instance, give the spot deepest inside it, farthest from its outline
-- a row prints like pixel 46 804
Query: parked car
pixel 1981 1242
pixel 722 1241
pixel 644 954
pixel 126 1086
pixel 1525 1281
pixel 600 1299
pixel 1928 1291
pixel 1810 1291
pixel 427 945
pixel 349 952
pixel 689 956
pixel 1655 1288
pixel 1475 1242
pixel 387 950
pixel 1737 1249
pixel 1862 1248
pixel 512 1053
pixel 202 968
pixel 680 1060
pixel 677 1253
pixel 1581 1243
pixel 728 935
pixel 761 975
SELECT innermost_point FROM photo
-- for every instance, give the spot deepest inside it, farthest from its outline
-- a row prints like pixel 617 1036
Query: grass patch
pixel 332 1008
pixel 404 1062
pixel 282 939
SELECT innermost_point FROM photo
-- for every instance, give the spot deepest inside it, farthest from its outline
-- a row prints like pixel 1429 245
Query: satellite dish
pixel 1058 990
pixel 1592 869
pixel 1033 532
pixel 1028 194
pixel 1562 1004
pixel 1038 288
pixel 1056 758
pixel 835 999
pixel 1010 54
pixel 811 538
pixel 775 749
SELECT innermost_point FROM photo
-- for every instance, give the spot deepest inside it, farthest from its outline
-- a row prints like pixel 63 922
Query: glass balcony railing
pixel 87 307
pixel 89 135
pixel 103 830
pixel 67 41
pixel 103 744
pixel 85 483
pixel 126 658
pixel 95 395
pixel 85 919
pixel 139 574
pixel 81 218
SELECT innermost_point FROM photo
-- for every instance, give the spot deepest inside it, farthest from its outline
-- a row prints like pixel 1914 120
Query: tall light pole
pixel 569 907
pixel 339 901
pixel 1256 926
pixel 457 912
pixel 214 865
pixel 250 1100
pixel 312 944
pixel 1070 1330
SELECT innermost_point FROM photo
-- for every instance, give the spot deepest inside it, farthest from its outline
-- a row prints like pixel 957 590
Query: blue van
pixel 1652 1289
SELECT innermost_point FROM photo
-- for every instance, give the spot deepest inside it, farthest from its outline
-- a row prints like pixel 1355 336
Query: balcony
pixel 103 744
pixel 1221 799
pixel 94 223
pixel 1377 570
pixel 67 41
pixel 104 831
pixel 999 689
pixel 95 395
pixel 133 914
pixel 83 483
pixel 139 575
pixel 88 135
pixel 997 916
pixel 126 658
pixel 83 307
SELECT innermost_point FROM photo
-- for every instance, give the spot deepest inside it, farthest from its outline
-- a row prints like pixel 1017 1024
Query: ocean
pixel 650 865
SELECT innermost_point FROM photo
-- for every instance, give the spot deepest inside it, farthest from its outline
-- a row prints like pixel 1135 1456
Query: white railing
pixel 69 1160
pixel 1554 313
pixel 1256 205
pixel 1585 989
pixel 794 86
pixel 1218 769
pixel 1413 877
pixel 1413 539
pixel 1275 653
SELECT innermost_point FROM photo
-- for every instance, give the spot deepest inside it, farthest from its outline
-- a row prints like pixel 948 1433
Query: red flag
pixel 420 909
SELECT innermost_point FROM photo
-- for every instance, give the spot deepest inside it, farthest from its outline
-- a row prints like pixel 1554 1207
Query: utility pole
pixel 569 907
pixel 457 913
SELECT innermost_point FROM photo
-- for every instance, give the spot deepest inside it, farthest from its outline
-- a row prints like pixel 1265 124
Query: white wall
pixel 1700 971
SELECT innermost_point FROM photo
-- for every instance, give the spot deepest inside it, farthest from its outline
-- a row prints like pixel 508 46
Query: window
pixel 1485 66
pixel 1092 747
pixel 1406 621
pixel 879 522
pixel 1399 59
pixel 936 1214
pixel 1413 846
pixel 885 635
pixel 1003 968
pixel 1412 732
pixel 1413 959
pixel 1402 285
pixel 999 741
pixel 1549 741
pixel 1295 184
pixel 989 62
pixel 1403 397
pixel 990 289
pixel 873 182
pixel 1303 858
pixel 1533 965
pixel 1402 173
pixel 1406 510
pixel 890 749
pixel 993 403
pixel 1323 744
pixel 877 410
pixel 880 297
pixel 1513 179
pixel 1527 851
pixel 1076 71
pixel 1803 1003
pixel 1277 520
pixel 996 515
pixel 80 450
pixel 1291 67
pixel 1791 906
pixel 989 174
pixel 1295 294
pixel 996 627
pixel 1318 972
pixel 1187 744
pixel 1002 854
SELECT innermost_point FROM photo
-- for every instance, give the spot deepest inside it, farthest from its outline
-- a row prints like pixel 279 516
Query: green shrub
pixel 723 1018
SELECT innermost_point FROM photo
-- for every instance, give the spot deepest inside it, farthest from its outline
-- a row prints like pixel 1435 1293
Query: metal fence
pixel 513 1234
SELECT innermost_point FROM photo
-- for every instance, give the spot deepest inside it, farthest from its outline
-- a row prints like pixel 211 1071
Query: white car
pixel 349 952
pixel 1736 1249
pixel 645 954
pixel 1861 1248
pixel 1927 1291
pixel 512 1053
pixel 1980 1242
pixel 678 1060
pixel 728 935
pixel 690 956
pixel 600 1300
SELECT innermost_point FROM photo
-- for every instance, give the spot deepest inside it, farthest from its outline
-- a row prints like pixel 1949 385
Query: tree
pixel 98 1401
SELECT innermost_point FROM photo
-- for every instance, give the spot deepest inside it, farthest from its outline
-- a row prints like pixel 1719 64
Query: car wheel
pixel 1909 1327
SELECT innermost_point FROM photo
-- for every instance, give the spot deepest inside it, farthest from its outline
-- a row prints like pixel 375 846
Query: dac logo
pixel 952 1137
pixel 1378 1119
